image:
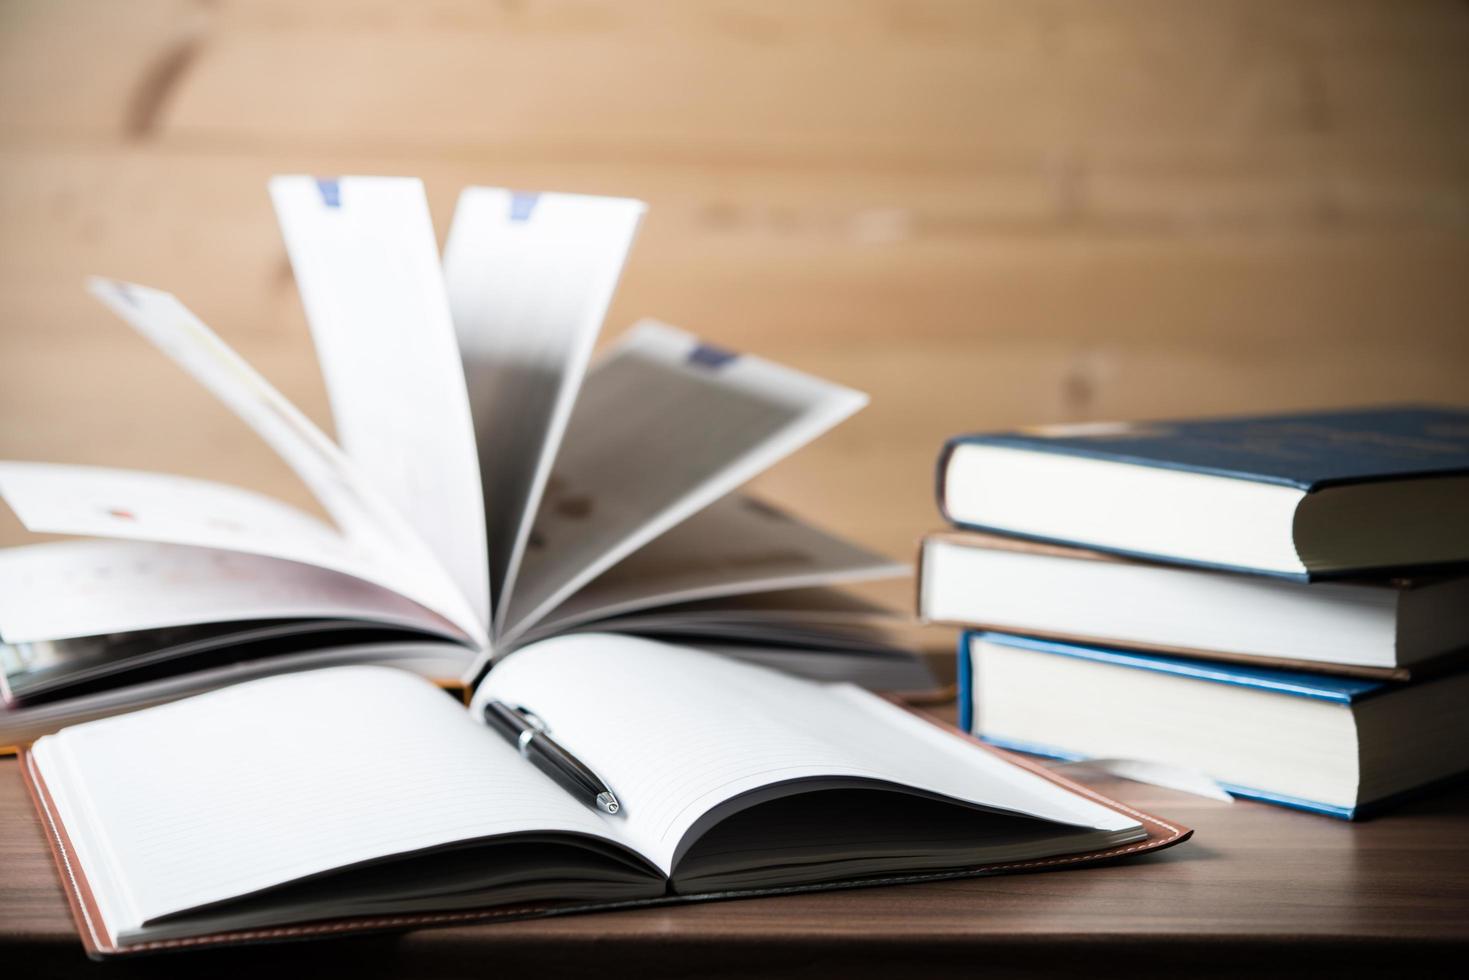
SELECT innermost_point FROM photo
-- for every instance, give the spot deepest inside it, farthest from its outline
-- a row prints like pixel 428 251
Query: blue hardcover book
pixel 1340 746
pixel 1301 496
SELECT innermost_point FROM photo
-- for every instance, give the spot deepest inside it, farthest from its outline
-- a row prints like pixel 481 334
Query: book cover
pixel 1322 687
pixel 969 580
pixel 1345 691
pixel 1309 450
pixel 1280 495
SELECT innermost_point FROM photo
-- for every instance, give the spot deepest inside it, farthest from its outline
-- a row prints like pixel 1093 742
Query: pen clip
pixel 532 719
pixel 536 726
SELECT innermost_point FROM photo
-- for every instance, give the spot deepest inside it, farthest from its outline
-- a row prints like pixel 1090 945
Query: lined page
pixel 676 732
pixel 248 787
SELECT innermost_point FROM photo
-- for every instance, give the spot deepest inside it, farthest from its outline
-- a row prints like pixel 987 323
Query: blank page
pixel 241 789
pixel 676 732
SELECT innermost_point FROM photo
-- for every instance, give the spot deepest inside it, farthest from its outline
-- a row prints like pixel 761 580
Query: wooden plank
pixel 923 79
pixel 822 81
pixel 745 253
pixel 91 71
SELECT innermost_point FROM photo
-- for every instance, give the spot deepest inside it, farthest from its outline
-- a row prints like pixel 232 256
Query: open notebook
pixel 364 797
pixel 490 481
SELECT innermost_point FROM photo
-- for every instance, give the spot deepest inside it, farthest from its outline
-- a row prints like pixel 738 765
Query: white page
pixel 368 271
pixel 675 732
pixel 365 517
pixel 735 545
pixel 664 426
pixel 53 498
pixel 66 589
pixel 529 278
pixel 281 778
pixel 171 327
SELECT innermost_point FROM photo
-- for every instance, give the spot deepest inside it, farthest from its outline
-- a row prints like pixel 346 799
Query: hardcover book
pixel 733 779
pixel 1340 746
pixel 1301 496
pixel 1389 628
pixel 493 484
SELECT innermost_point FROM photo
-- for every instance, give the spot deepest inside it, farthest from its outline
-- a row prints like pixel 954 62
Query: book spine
pixel 964 678
pixel 940 479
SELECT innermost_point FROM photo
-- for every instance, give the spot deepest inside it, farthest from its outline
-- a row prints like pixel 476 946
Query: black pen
pixel 528 733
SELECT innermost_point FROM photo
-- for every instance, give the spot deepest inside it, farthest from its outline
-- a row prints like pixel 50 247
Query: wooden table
pixel 985 214
pixel 1258 889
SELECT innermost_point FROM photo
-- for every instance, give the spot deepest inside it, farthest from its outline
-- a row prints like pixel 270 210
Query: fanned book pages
pixel 733 779
pixel 493 483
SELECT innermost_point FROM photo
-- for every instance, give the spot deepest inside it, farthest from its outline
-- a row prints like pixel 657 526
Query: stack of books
pixel 1280 603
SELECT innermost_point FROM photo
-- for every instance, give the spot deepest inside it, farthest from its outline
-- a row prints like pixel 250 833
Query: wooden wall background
pixel 983 213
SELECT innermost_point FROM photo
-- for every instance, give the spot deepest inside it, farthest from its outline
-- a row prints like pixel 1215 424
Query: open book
pixel 359 797
pixel 488 487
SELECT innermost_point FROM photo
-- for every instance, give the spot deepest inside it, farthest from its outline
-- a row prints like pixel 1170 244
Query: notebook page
pixel 367 267
pixel 529 279
pixel 66 589
pixel 664 426
pixel 675 732
pixel 269 781
pixel 736 545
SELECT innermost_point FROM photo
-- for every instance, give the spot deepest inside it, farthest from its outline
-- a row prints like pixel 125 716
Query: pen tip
pixel 608 803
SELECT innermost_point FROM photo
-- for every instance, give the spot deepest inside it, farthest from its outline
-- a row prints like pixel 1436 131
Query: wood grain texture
pixel 984 213
pixel 1258 886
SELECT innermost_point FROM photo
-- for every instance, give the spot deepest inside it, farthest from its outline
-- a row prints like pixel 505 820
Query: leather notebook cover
pixel 88 919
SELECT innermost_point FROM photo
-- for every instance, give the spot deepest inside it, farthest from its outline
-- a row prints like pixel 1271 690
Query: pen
pixel 527 732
